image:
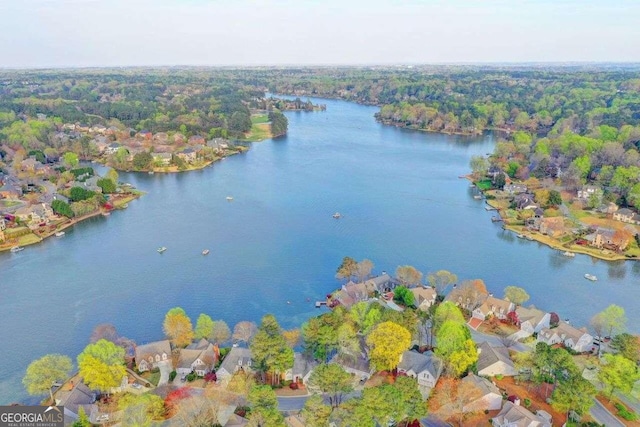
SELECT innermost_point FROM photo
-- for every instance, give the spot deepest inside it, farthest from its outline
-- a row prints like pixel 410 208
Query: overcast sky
pixel 63 33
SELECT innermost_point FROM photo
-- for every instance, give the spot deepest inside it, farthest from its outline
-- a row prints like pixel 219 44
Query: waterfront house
pixel 424 297
pixel 78 396
pixel 424 367
pixel 302 369
pixel 112 148
pixel 587 191
pixel 188 155
pixel 576 339
pixel 493 307
pixel 162 158
pixel 200 359
pixel 625 215
pixel 149 355
pixel 531 320
pixel 513 415
pixel 494 361
pixel 238 359
pixel 606 237
pixel 553 227
pixel 525 201
pixel 196 140
pixel 514 188
pixel 487 397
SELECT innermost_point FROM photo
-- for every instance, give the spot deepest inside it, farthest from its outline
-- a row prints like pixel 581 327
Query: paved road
pixel 295 403
pixel 630 401
pixel 601 415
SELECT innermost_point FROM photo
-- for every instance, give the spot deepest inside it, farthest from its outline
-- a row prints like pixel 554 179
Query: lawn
pixel 259 132
pixel 484 185
pixel 152 376
pixel 259 118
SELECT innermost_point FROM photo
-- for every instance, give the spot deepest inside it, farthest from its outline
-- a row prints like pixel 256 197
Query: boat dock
pixel 320 303
pixel 490 208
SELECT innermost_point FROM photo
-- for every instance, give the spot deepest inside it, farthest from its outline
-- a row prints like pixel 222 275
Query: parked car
pixel 183 378
pixel 103 417
pixel 136 385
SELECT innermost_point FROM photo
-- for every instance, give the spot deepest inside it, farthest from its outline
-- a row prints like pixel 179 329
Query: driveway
pixel 165 370
pixel 601 415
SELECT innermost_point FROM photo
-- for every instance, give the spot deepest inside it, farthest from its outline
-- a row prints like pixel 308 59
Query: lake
pixel 275 247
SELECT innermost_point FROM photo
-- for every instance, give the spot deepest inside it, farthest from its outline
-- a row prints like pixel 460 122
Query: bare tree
pixel 363 269
pixel 441 280
pixel 408 275
pixel 244 331
pixel 456 399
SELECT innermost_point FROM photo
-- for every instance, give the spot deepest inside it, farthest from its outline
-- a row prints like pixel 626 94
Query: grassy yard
pixel 152 377
pixel 484 185
pixel 259 132
pixel 259 118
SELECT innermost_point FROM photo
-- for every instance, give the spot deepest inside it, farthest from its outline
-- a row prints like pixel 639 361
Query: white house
pixel 149 355
pixel 494 307
pixel 494 361
pixel 425 367
pixel 238 359
pixel 587 191
pixel 532 320
pixel 516 416
pixel 576 339
pixel 488 398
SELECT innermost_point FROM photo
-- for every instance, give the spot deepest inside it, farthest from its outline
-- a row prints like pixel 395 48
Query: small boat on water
pixel 520 236
pixel 125 206
pixel 529 238
pixel 106 213
pixel 59 233
pixel 337 215
pixel 496 219
pixel 477 197
pixel 16 249
pixel 569 254
pixel 229 198
pixel 150 172
pixel 590 277
pixel 161 249
pixel 205 252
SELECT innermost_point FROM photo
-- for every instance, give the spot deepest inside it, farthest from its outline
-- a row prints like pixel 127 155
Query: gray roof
pixel 518 416
pixel 79 396
pixel 420 362
pixel 151 349
pixel 200 345
pixel 625 212
pixel 490 355
pixel 359 363
pixel 237 354
pixel 484 385
pixel 302 365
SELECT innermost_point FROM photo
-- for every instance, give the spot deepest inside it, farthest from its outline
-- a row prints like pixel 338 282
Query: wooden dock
pixel 320 303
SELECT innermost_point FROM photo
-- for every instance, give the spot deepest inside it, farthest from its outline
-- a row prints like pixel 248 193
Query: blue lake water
pixel 275 247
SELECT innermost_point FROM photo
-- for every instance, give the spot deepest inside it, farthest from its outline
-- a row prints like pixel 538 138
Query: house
pixel 609 208
pixel 302 368
pixel 425 367
pixel 238 359
pixel 553 227
pixel 532 320
pixel 606 237
pixel 513 415
pixel 424 297
pixel 218 144
pixel 112 148
pixel 149 355
pixel 625 215
pixel 489 397
pixel 351 292
pixel 80 396
pixel 494 361
pixel 188 155
pixel 28 214
pixel 358 365
pixel 199 358
pixel 179 138
pixel 236 421
pixel 3 224
pixel 514 188
pixel 196 140
pixel 576 339
pixel 162 158
pixel 10 191
pixel 468 296
pixel 587 191
pixel 145 134
pixel 525 201
pixel 29 165
pixel 494 307
pixel 161 138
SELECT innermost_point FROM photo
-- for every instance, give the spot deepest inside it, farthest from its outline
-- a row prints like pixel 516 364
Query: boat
pixel 205 252
pixel 529 238
pixel 125 206
pixel 477 197
pixel 161 249
pixel 229 198
pixel 106 213
pixel 336 215
pixel 150 172
pixel 520 236
pixel 569 254
pixel 496 219
pixel 59 233
pixel 16 249
pixel 590 277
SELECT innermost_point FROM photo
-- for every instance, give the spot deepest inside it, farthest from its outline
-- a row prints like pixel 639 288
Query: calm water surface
pixel 275 247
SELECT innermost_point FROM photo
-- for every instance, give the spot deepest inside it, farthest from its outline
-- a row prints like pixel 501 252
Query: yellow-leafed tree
pixel 388 341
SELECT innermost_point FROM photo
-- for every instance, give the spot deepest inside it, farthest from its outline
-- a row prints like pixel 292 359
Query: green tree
pixel 78 194
pixel 455 347
pixel 333 381
pixel 101 365
pixel 576 394
pixel 555 198
pixel 106 185
pixel 204 327
pixel 44 372
pixel 412 405
pixel 404 296
pixel 83 419
pixel 112 174
pixel 315 413
pixel 264 408
pixel 618 373
pixel 177 326
pixel 270 350
pixel 614 319
pixel 62 208
pixel 70 159
pixel 388 341
pixel 627 345
pixel 479 166
pixel 240 122
pixel 516 295
pixel 279 123
pixel 348 268
pixel 142 161
pixel 447 311
pixel 141 409
pixel 408 275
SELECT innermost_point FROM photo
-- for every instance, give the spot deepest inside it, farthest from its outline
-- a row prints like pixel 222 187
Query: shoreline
pixel 34 238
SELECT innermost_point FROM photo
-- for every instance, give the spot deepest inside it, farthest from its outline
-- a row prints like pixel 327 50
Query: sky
pixel 93 33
